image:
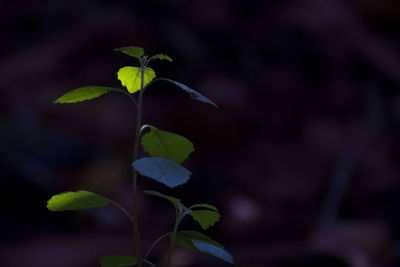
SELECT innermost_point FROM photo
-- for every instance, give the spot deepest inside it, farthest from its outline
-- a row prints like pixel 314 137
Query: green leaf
pixel 168 145
pixel 193 94
pixel 132 51
pixel 131 77
pixel 173 200
pixel 117 261
pixel 205 218
pixel 161 57
pixel 162 170
pixel 76 200
pixel 84 93
pixel 184 238
pixel 207 206
pixel 213 250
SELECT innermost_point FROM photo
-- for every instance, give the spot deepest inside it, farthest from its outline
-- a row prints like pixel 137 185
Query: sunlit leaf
pixel 76 200
pixel 193 94
pixel 205 218
pixel 117 261
pixel 173 200
pixel 131 77
pixel 132 51
pixel 213 250
pixel 84 93
pixel 162 57
pixel 206 206
pixel 168 145
pixel 162 170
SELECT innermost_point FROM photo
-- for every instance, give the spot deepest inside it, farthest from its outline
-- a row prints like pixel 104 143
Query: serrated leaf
pixel 76 200
pixel 131 77
pixel 184 238
pixel 132 51
pixel 206 206
pixel 205 218
pixel 193 94
pixel 165 144
pixel 84 93
pixel 162 170
pixel 117 261
pixel 162 57
pixel 173 200
pixel 213 250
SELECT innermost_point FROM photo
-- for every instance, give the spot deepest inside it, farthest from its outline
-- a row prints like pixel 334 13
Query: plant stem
pixel 173 237
pixel 154 244
pixel 135 173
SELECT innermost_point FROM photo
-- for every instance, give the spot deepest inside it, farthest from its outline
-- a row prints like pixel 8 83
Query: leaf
pixel 117 261
pixel 173 200
pixel 161 57
pixel 193 94
pixel 132 51
pixel 168 145
pixel 84 93
pixel 184 238
pixel 131 77
pixel 205 218
pixel 207 206
pixel 76 200
pixel 213 250
pixel 165 171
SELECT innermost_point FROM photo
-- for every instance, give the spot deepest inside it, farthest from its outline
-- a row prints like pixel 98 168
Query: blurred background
pixel 301 157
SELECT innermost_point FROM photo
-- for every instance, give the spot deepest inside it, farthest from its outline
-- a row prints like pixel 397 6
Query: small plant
pixel 167 151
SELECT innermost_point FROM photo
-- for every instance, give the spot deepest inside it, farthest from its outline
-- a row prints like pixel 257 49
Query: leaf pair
pixel 138 52
pixel 167 150
pixel 206 215
pixel 191 240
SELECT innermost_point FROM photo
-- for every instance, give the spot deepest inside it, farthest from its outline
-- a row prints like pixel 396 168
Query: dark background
pixel 302 156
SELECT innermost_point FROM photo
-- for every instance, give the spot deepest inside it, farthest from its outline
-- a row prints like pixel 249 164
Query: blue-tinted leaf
pixel 76 200
pixel 162 170
pixel 84 93
pixel 162 57
pixel 117 261
pixel 205 218
pixel 184 238
pixel 165 144
pixel 213 250
pixel 173 200
pixel 193 94
pixel 131 77
pixel 132 51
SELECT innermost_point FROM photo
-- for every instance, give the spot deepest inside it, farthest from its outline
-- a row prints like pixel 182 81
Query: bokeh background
pixel 302 156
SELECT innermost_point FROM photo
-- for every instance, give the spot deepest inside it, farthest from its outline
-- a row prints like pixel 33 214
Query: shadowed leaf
pixel 193 94
pixel 205 218
pixel 173 200
pixel 213 250
pixel 206 206
pixel 132 51
pixel 162 57
pixel 117 261
pixel 162 170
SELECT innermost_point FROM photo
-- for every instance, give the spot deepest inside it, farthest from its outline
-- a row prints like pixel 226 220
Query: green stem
pixel 135 173
pixel 154 244
pixel 149 263
pixel 173 237
pixel 120 207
